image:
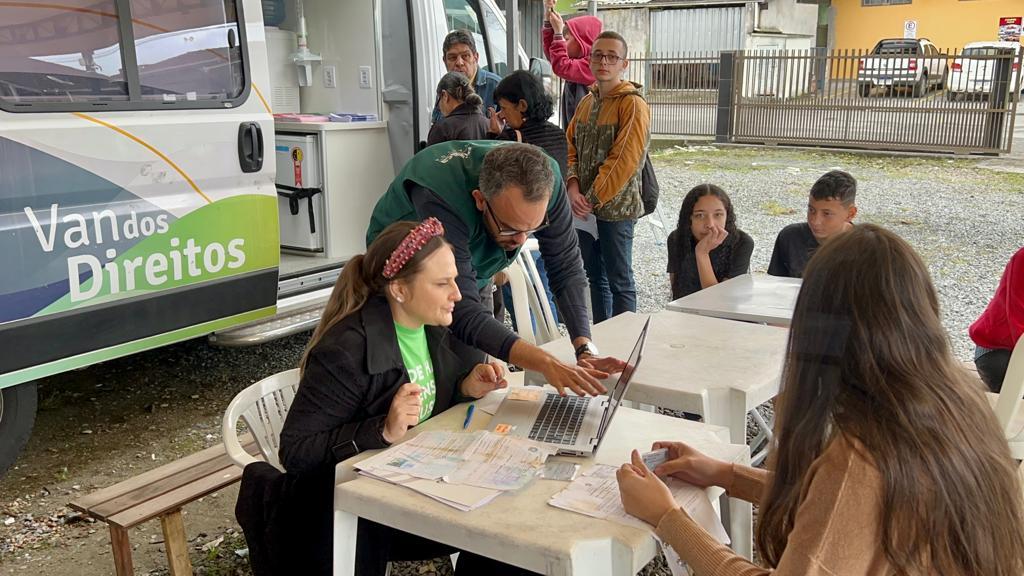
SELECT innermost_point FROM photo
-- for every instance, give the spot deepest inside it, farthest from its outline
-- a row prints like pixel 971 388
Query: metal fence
pixel 954 101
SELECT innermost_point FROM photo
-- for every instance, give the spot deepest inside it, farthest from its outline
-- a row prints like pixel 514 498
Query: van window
pixel 188 50
pixel 71 55
pixel 60 53
pixel 496 38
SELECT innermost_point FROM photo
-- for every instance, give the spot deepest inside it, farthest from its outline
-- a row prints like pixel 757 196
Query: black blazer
pixel 464 123
pixel 350 378
pixel 343 398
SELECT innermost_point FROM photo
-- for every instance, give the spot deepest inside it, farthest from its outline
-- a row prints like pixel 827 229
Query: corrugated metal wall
pixel 697 29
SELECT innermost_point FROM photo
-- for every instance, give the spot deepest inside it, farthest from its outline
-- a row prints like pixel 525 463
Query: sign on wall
pixel 910 29
pixel 1010 28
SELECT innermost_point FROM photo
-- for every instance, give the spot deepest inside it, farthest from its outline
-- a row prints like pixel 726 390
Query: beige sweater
pixel 836 531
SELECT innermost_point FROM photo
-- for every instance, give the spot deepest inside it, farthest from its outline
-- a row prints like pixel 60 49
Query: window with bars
pixel 883 2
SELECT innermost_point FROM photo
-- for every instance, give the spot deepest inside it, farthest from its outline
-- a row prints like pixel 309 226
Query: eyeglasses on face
pixel 508 231
pixel 599 58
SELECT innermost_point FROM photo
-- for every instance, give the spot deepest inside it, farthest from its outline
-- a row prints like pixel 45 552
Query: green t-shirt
pixel 416 357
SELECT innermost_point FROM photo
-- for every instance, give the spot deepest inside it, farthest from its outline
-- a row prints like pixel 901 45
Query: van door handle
pixel 250 147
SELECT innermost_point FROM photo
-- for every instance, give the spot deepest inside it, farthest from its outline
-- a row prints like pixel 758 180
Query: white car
pixel 893 63
pixel 971 73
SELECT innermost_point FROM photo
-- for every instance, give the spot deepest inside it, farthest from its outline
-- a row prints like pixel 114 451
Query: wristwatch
pixel 586 348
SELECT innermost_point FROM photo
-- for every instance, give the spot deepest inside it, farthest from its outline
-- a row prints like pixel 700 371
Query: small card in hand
pixel 655 458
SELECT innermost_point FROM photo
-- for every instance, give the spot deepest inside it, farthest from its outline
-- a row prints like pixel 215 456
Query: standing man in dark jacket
pixel 491 196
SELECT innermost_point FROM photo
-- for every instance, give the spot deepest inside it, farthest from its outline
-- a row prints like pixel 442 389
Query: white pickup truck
pixel 902 63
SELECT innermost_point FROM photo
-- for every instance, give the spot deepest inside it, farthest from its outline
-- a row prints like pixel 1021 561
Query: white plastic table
pixel 761 298
pixel 519 527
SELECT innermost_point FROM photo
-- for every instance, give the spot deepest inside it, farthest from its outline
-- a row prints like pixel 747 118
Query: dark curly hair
pixel 523 85
pixel 721 257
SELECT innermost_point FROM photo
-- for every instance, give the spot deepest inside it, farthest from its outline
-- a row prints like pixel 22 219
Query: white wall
pixel 790 17
pixel 343 33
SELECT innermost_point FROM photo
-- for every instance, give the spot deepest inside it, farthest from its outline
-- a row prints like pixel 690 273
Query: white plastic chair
pixel 263 406
pixel 518 283
pixel 546 328
pixel 1007 404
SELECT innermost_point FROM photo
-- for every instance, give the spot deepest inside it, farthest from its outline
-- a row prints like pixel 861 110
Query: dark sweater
pixel 794 247
pixel 730 259
pixel 464 123
pixel 545 136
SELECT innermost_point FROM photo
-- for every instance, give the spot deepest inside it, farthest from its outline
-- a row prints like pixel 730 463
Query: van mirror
pixel 541 68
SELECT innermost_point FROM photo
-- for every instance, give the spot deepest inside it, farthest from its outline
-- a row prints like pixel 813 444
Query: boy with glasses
pixel 608 140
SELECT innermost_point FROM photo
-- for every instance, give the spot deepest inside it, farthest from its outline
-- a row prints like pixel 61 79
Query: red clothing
pixel 585 30
pixel 1002 323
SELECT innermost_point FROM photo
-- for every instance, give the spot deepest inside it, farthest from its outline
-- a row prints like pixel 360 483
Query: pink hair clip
pixel 413 242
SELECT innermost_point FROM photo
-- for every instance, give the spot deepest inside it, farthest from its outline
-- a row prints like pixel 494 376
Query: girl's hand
pixel 404 412
pixel 643 494
pixel 691 466
pixel 713 240
pixel 556 21
pixel 483 379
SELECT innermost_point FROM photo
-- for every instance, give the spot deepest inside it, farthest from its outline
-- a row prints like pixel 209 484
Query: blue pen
pixel 469 416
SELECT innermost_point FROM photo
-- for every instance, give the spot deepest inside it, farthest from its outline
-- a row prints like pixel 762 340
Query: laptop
pixel 573 425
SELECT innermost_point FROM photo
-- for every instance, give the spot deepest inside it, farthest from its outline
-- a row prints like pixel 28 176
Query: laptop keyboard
pixel 560 419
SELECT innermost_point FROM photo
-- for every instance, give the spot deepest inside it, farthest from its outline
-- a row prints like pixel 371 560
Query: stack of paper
pixel 463 470
pixel 596 494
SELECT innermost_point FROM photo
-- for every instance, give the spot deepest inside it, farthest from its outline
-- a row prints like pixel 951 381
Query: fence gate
pixel 942 102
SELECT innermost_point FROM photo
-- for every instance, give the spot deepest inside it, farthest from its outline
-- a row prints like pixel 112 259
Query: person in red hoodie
pixel 999 327
pixel 567 48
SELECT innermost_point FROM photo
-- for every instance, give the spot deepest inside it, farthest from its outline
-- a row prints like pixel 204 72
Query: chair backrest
pixel 1012 390
pixel 546 329
pixel 263 407
pixel 518 283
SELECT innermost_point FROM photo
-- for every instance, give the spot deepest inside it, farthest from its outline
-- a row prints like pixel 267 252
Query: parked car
pixel 972 72
pixel 902 63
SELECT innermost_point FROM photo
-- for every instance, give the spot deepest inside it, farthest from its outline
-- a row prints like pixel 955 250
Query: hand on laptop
pixel 604 364
pixel 580 379
pixel 483 379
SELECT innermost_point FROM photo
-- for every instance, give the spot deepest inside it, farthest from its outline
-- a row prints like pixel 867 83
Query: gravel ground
pixel 102 424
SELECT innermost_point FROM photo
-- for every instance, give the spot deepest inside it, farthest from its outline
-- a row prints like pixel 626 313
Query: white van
pixel 139 159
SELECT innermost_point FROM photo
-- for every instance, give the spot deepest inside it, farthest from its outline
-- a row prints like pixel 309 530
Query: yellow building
pixel 949 24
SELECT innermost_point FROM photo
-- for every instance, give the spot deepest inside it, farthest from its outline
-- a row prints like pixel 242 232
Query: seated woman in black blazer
pixel 380 362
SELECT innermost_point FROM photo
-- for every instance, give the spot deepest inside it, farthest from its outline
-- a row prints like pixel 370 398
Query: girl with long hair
pixel 887 458
pixel 706 247
pixel 380 362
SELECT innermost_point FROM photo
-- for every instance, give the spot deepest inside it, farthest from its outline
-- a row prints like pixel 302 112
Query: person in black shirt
pixel 462 109
pixel 706 247
pixel 380 362
pixel 830 211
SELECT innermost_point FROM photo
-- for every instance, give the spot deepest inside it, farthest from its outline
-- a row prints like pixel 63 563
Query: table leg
pixel 122 550
pixel 738 518
pixel 176 543
pixel 346 528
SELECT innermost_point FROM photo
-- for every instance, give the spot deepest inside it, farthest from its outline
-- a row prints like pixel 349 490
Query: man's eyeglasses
pixel 599 58
pixel 508 231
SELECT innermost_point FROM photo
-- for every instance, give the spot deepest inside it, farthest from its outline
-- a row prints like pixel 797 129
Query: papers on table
pixel 462 469
pixel 596 494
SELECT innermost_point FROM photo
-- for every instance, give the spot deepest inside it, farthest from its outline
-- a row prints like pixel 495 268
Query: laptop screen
pixel 615 397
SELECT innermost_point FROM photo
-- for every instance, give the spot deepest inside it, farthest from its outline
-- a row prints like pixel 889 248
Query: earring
pixel 400 299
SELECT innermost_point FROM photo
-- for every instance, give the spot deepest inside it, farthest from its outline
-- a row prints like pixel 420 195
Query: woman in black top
pixel 706 247
pixel 380 362
pixel 462 109
pixel 525 109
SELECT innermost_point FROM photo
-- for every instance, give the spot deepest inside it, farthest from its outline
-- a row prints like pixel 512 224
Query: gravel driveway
pixel 107 422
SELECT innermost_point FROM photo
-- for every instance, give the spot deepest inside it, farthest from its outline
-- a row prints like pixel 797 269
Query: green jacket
pixel 608 141
pixel 452 171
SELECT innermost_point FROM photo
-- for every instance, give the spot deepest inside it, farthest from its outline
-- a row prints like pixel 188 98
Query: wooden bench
pixel 162 492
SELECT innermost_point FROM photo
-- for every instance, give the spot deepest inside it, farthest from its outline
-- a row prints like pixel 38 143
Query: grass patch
pixel 773 208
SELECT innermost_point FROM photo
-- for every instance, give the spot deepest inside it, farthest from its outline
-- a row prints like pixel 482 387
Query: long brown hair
pixel 868 359
pixel 363 277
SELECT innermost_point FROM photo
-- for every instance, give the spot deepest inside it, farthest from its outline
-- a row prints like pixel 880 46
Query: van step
pixel 295 314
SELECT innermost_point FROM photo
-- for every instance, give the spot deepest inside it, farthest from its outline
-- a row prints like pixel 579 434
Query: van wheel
pixel 921 88
pixel 864 90
pixel 17 415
